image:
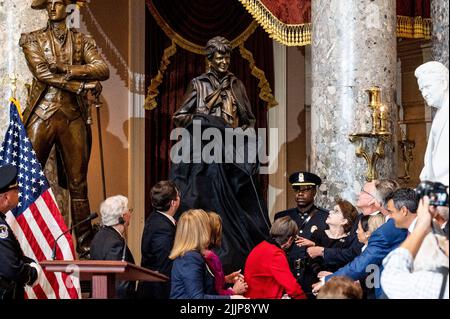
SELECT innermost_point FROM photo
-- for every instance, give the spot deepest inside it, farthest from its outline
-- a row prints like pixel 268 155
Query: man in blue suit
pixel 367 204
pixel 381 242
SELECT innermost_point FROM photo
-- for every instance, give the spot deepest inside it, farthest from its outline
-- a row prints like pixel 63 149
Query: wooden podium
pixel 103 273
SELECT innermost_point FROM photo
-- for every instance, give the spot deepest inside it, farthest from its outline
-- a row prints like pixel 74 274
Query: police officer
pixel 16 270
pixel 309 219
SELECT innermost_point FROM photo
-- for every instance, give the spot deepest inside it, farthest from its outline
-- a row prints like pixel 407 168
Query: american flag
pixel 37 221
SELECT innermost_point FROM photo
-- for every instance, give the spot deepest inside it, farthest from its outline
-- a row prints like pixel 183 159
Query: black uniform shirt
pixel 15 269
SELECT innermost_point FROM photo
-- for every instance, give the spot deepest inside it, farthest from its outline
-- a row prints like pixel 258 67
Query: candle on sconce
pixel 383 114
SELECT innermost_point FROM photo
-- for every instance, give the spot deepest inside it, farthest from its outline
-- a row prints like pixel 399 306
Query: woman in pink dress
pixel 215 265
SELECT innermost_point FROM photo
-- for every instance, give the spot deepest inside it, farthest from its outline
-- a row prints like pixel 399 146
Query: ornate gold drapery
pixel 178 40
pixel 295 30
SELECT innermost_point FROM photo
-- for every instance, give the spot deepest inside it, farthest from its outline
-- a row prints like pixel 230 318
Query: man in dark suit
pixel 158 238
pixel 309 219
pixel 109 242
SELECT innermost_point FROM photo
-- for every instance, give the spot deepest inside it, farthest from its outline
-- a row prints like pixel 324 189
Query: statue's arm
pixel 94 69
pixel 40 68
pixel 248 119
pixel 184 115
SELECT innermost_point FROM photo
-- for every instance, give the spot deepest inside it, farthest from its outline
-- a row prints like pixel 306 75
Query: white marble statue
pixel 433 81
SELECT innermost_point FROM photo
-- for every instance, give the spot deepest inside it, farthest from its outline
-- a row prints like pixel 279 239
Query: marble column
pixel 16 17
pixel 353 49
pixel 439 18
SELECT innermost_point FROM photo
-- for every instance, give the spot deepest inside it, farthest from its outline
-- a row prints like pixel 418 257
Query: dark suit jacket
pixel 109 245
pixel 15 269
pixel 157 242
pixel 191 279
pixel 385 239
pixel 317 221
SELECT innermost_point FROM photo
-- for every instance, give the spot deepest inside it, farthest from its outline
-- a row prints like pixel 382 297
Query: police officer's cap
pixel 8 174
pixel 304 179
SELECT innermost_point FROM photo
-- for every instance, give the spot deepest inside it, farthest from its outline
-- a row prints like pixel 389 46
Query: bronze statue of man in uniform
pixel 66 65
pixel 217 92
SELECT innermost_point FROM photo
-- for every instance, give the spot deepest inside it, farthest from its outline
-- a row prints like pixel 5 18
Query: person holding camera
pixel 419 268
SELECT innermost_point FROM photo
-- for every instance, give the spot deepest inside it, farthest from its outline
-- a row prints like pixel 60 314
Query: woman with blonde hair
pixel 191 277
pixel 367 225
pixel 214 263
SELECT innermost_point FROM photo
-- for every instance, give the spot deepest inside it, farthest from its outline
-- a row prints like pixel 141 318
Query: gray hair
pixel 282 229
pixel 112 209
pixel 432 67
pixel 383 188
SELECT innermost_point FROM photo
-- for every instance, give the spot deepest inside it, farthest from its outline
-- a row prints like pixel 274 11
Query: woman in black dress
pixel 340 222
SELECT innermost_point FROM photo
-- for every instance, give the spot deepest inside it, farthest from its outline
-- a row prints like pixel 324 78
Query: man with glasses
pixel 387 237
pixel 309 219
pixel 16 270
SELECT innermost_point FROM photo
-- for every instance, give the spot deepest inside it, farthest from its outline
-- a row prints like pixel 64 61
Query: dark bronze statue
pixel 66 65
pixel 217 92
pixel 218 100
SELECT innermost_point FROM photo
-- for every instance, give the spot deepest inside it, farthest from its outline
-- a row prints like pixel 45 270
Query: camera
pixel 437 192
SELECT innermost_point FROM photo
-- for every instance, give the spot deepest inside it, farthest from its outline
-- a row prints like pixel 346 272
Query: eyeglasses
pixel 366 192
pixel 303 189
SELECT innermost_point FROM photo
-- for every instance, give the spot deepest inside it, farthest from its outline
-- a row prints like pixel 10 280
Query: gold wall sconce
pixel 379 133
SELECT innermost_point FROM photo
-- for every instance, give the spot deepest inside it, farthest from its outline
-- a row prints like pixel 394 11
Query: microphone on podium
pixel 89 218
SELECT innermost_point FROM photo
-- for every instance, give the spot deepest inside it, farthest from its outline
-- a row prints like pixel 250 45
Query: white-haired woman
pixel 109 242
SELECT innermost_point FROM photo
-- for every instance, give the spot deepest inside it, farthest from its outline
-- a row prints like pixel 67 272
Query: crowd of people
pixel 393 244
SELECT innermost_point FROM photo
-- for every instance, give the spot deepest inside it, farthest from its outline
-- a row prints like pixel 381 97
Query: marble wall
pixel 440 18
pixel 15 18
pixel 353 48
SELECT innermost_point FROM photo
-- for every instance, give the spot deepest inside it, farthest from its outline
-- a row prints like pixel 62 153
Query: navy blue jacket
pixel 317 222
pixel 15 269
pixel 157 242
pixel 107 244
pixel 381 243
pixel 191 279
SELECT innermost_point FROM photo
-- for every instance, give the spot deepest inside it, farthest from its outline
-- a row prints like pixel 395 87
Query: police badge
pixel 3 231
